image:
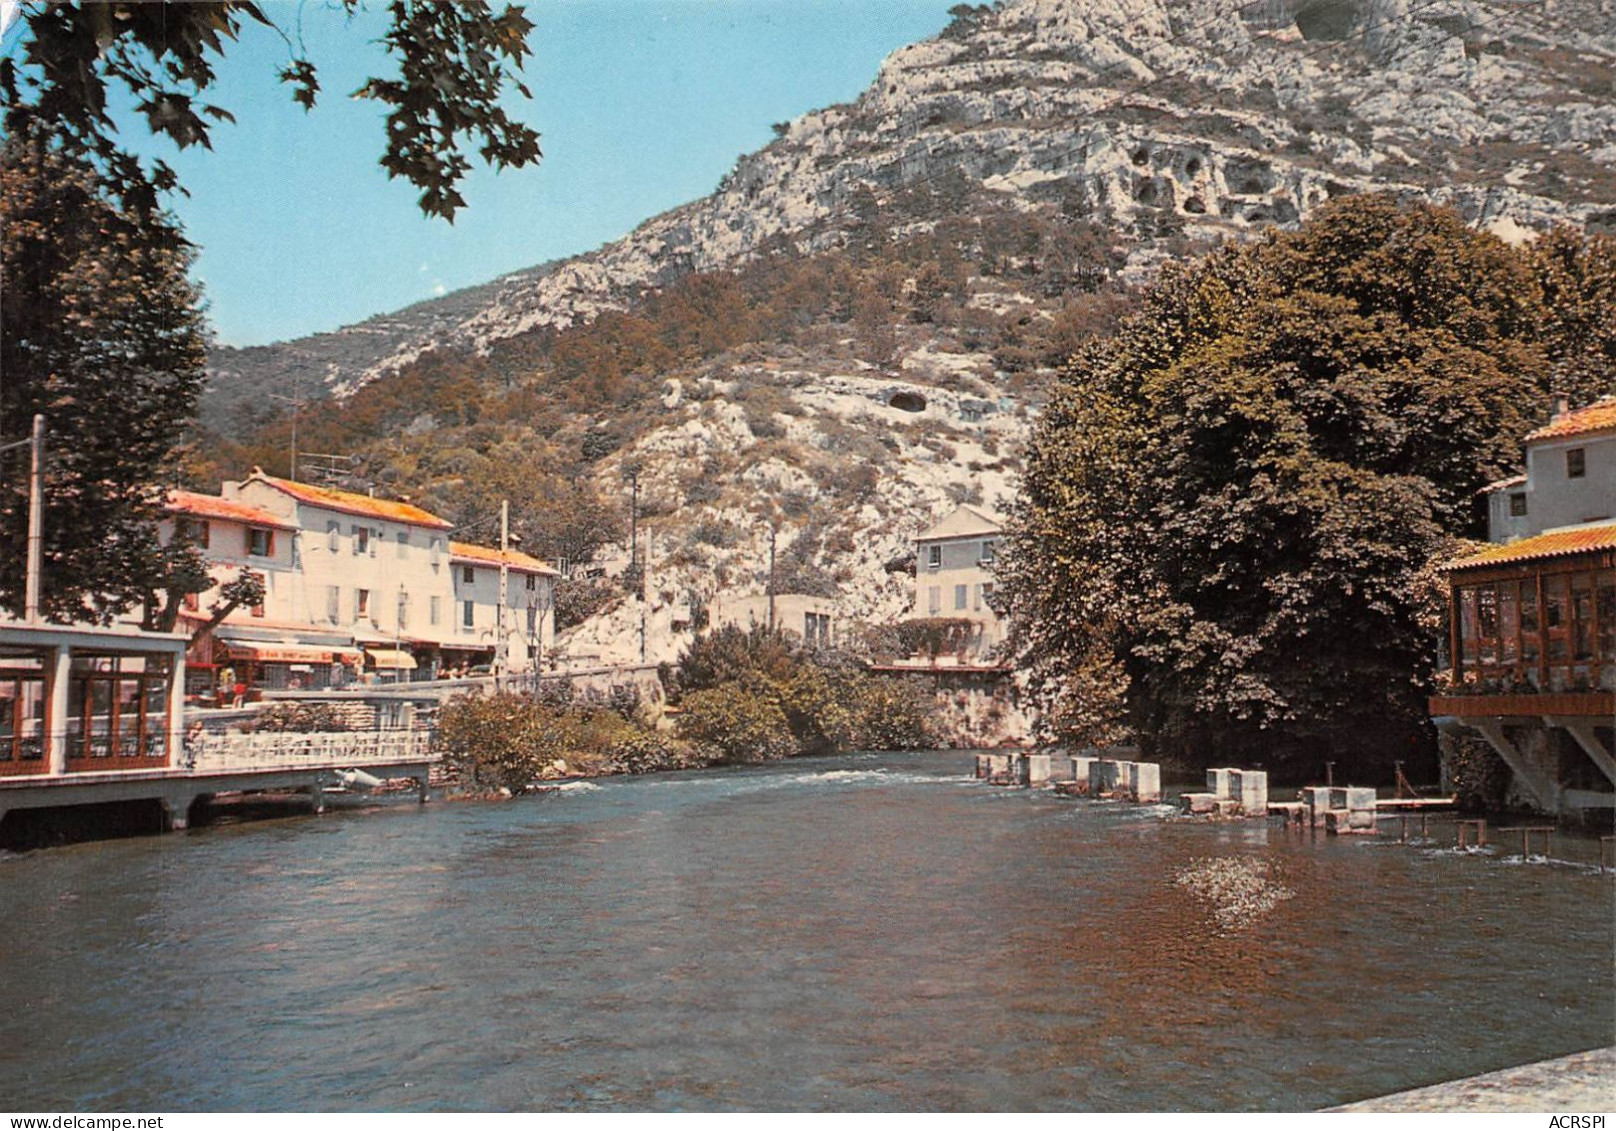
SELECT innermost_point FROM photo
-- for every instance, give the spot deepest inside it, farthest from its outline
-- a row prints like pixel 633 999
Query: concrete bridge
pixel 227 763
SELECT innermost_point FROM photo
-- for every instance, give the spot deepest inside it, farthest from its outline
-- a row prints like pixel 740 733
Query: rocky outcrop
pixel 1170 119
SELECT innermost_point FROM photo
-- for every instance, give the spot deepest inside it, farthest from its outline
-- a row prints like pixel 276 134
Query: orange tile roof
pixel 489 555
pixel 212 506
pixel 351 502
pixel 1597 417
pixel 1555 544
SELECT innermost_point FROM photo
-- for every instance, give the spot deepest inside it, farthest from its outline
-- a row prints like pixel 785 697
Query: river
pixel 869 932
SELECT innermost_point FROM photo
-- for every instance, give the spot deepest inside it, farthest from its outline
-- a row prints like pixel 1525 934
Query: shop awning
pixel 391 658
pixel 281 653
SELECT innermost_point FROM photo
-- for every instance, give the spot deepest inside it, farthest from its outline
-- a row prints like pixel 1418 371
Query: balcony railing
pixel 225 753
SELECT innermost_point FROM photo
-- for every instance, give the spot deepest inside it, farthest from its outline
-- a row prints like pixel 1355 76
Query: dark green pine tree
pixel 100 331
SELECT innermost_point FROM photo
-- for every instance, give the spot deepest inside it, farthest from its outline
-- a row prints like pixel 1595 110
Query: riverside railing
pixel 224 753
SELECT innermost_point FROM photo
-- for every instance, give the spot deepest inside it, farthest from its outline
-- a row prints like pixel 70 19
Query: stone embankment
pixel 1581 1082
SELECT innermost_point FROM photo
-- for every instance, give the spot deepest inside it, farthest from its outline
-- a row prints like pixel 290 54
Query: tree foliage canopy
pixel 454 62
pixel 103 335
pixel 1228 506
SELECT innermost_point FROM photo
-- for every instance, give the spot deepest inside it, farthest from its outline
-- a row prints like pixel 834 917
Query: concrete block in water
pixel 1250 789
pixel 1359 797
pixel 1197 802
pixel 1226 807
pixel 1034 769
pixel 1355 822
pixel 1317 798
pixel 1217 782
pixel 1080 772
pixel 1103 776
pixel 1147 782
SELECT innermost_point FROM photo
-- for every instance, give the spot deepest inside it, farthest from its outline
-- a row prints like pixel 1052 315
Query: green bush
pixel 897 714
pixel 512 740
pixel 733 724
pixel 647 751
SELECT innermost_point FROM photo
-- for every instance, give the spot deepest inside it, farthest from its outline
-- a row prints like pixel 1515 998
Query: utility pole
pixel 297 402
pixel 504 585
pixel 774 532
pixel 634 515
pixel 36 503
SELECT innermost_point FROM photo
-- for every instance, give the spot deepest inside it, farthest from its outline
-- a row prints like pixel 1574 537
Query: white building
pixel 530 603
pixel 356 588
pixel 813 620
pixel 953 571
pixel 1570 476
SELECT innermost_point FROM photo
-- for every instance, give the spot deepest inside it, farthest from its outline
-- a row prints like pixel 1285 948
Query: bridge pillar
pixel 317 796
pixel 177 810
pixel 58 675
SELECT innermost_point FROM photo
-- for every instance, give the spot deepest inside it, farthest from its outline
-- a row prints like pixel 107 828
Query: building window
pixel 361 540
pixel 1576 463
pixel 988 549
pixel 532 620
pixel 816 629
pixel 263 584
pixel 468 574
pixel 434 610
pixel 260 542
pixel 959 596
pixel 1517 504
pixel 987 594
pixel 468 614
pixel 333 603
pixel 532 582
pixel 934 600
pixel 333 531
pixel 437 552
pixel 361 604
pixel 934 557
pixel 403 538
pixel 403 611
pixel 194 531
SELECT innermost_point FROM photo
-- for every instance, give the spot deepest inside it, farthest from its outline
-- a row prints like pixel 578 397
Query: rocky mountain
pixel 1160 118
pixel 907 270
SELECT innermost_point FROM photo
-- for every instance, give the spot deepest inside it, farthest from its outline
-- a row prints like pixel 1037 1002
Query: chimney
pixel 1561 406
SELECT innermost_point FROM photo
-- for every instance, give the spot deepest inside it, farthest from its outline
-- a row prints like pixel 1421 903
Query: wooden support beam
pixel 1544 791
pixel 1583 731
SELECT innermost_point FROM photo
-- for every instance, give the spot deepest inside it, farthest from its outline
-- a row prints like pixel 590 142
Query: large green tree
pixel 454 62
pixel 103 335
pixel 100 328
pixel 1229 505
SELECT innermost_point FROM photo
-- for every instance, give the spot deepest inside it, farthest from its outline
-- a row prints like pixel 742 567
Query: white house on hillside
pixel 1570 476
pixel 953 570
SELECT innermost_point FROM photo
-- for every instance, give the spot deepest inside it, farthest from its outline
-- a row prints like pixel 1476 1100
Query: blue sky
pixel 642 105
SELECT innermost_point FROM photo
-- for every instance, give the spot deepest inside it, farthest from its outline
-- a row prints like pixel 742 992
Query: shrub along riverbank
pixel 735 697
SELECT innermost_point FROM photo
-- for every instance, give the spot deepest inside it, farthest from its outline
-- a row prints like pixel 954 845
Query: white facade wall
pixel 953 579
pixel 1552 496
pixel 357 571
pixel 477 584
pixel 229 549
pixel 792 613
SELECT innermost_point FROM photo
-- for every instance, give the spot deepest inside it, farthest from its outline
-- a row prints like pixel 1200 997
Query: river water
pixel 859 933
